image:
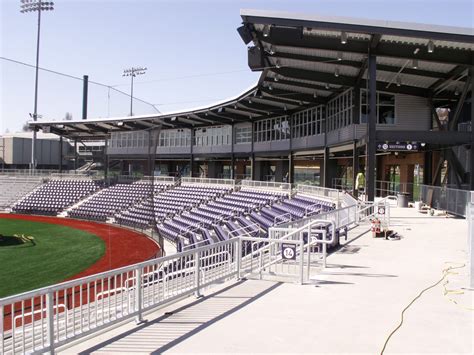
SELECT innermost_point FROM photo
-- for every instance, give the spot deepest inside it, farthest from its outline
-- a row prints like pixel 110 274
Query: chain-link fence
pixel 447 199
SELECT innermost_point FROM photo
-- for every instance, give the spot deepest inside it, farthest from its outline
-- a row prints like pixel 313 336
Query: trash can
pixel 402 199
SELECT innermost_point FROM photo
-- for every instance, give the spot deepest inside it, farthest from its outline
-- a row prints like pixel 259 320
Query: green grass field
pixel 57 253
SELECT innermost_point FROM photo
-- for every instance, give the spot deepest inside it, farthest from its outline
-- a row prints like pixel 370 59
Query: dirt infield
pixel 123 246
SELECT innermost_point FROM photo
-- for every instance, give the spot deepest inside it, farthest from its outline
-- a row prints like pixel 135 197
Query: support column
pixel 60 154
pixel 326 182
pixel 252 154
pixel 290 156
pixel 106 158
pixel 355 168
pixel 471 155
pixel 291 169
pixel 85 90
pixel 75 154
pixel 428 168
pixel 33 150
pixel 371 144
pixel 232 167
pixel 191 156
pixel 150 144
pixel 232 157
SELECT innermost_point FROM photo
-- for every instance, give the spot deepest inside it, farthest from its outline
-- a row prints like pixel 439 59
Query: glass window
pixel 385 108
pixel 243 135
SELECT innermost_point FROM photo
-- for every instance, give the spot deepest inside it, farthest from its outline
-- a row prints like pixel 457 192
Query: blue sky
pixel 191 48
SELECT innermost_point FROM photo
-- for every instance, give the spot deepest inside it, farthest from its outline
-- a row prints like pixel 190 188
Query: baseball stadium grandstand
pixel 315 203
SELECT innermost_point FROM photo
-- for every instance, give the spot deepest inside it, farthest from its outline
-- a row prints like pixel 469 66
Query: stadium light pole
pixel 36 6
pixel 133 72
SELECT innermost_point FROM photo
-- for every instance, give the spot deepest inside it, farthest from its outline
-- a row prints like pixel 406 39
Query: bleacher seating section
pixel 114 199
pixel 55 196
pixel 167 204
pixel 187 215
pixel 233 213
pixel 14 188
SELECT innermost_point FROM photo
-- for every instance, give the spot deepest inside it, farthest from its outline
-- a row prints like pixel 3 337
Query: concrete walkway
pixel 351 307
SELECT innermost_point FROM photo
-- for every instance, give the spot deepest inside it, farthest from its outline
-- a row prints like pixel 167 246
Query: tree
pixel 68 116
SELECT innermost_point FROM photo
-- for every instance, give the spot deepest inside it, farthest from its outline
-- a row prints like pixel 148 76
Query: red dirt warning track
pixel 122 246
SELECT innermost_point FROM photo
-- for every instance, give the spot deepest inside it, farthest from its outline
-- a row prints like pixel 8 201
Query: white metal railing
pixel 266 255
pixel 33 172
pixel 316 226
pixel 280 186
pixel 379 209
pixel 41 320
pixel 207 181
pixel 159 179
pixel 348 200
pixel 312 209
pixel 349 216
pixel 44 173
pixel 283 218
pixel 342 217
pixel 79 176
pixel 250 230
pixel 263 256
pixel 44 319
pixel 319 191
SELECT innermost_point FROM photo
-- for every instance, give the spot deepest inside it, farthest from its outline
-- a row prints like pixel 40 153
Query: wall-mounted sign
pixel 398 146
pixel 288 251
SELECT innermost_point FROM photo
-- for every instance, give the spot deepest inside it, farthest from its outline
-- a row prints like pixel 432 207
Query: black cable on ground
pixel 445 273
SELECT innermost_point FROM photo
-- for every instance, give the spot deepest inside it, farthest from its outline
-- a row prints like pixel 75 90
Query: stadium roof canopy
pixel 307 60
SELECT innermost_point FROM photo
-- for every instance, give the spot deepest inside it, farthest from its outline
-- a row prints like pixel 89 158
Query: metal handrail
pixel 84 298
pixel 284 218
pixel 279 186
pixel 309 210
pixel 207 181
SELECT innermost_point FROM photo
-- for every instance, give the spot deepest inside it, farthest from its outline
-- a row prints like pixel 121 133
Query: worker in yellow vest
pixel 360 182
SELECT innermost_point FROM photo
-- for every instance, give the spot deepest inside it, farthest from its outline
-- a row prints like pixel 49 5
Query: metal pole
pixel 371 129
pixel 197 276
pixel 302 258
pixel 75 155
pixel 35 109
pixel 61 154
pixel 325 182
pixel 191 157
pixel 471 159
pixel 355 167
pixel 138 296
pixel 106 158
pixel 50 321
pixel 309 254
pixel 131 97
pixel 232 156
pixel 239 257
pixel 252 154
pixel 85 89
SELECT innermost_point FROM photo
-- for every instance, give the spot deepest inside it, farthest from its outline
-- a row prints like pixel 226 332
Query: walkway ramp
pixel 350 307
